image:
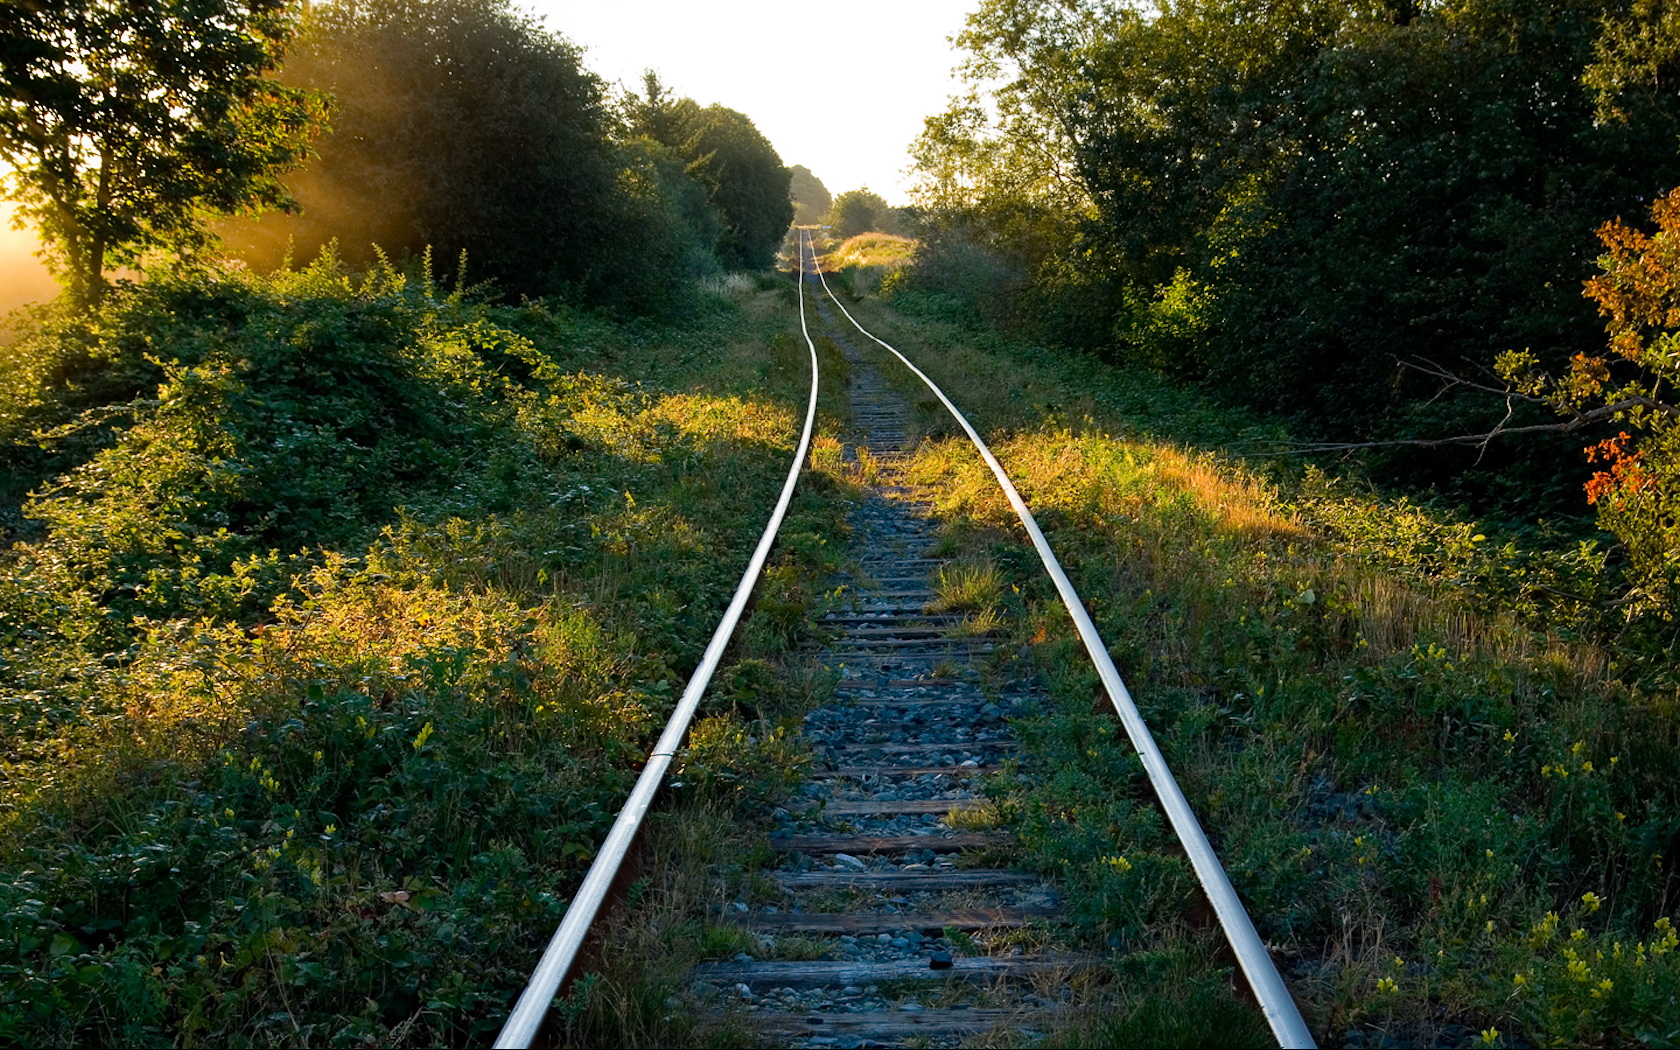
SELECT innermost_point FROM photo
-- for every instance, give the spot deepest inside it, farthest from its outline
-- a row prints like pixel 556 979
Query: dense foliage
pixel 1297 202
pixel 858 211
pixel 125 125
pixel 742 173
pixel 330 648
pixel 811 199
pixel 468 129
pixel 1636 483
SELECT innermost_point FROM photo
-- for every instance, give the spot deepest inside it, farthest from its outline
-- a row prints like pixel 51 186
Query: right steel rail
pixel 1262 973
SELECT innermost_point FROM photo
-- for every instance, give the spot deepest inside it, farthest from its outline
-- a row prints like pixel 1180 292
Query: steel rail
pixel 528 1013
pixel 1275 1001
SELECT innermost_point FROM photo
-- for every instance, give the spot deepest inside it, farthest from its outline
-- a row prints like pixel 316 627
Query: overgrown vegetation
pixel 332 640
pixel 469 128
pixel 862 263
pixel 1313 209
pixel 1444 788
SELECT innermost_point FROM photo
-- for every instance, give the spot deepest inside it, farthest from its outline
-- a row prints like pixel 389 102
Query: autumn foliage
pixel 1637 489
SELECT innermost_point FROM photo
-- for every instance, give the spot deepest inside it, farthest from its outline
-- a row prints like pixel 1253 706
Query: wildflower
pixel 1592 900
pixel 1387 985
pixel 1603 988
pixel 1490 1036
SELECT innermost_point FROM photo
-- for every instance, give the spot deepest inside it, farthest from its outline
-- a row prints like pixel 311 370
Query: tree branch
pixel 1574 423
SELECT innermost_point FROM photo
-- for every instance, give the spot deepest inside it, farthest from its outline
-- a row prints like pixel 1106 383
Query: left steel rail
pixel 528 1013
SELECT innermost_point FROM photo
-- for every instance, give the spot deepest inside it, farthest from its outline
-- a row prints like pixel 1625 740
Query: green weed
pixel 1410 740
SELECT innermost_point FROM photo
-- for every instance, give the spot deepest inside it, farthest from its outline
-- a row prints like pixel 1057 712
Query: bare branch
pixel 1574 423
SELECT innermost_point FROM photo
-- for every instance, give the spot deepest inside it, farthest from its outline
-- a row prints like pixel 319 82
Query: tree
pixel 1290 201
pixel 747 183
pixel 128 124
pixel 1636 481
pixel 858 211
pixel 742 173
pixel 462 126
pixel 811 199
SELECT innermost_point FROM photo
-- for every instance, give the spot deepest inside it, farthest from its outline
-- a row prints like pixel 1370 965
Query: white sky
pixel 841 89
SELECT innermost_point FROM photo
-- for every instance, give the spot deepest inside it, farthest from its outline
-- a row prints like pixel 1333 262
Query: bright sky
pixel 841 89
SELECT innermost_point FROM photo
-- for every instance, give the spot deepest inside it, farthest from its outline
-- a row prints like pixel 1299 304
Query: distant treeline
pixel 1309 205
pixel 468 128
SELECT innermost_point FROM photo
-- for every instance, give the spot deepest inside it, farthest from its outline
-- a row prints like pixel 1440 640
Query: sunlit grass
pixel 872 249
pixel 972 586
pixel 861 263
pixel 405 758
pixel 1401 750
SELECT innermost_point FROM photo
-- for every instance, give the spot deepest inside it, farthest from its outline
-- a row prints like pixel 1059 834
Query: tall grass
pixel 863 262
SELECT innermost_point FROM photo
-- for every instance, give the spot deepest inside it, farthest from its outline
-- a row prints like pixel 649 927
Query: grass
pixel 330 772
pixel 704 855
pixel 1409 740
pixel 861 263
pixel 973 586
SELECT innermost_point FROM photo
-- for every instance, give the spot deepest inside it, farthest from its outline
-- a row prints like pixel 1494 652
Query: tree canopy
pixel 1254 195
pixel 127 124
pixel 811 199
pixel 460 125
pixel 858 211
pixel 743 175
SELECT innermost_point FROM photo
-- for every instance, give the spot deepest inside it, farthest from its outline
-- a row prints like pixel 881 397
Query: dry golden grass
pixel 873 249
pixel 1129 487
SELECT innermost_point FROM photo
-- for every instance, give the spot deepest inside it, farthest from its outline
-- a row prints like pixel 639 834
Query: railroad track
pixel 870 866
pixel 908 941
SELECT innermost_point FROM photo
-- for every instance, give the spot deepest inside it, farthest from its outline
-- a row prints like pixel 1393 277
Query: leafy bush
pixel 339 638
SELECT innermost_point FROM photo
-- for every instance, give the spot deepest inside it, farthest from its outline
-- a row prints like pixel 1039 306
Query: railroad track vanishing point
pixel 906 943
pixel 913 944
